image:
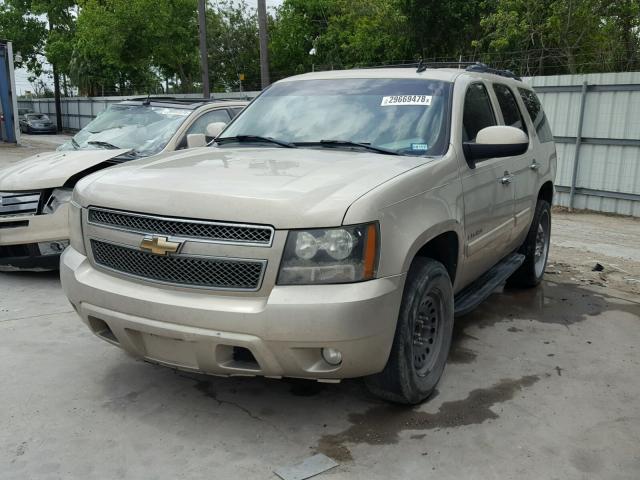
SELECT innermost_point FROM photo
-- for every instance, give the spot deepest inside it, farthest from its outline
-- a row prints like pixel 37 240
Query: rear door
pixel 488 191
pixel 522 167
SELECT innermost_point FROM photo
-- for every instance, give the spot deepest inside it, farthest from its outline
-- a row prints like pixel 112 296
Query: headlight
pixel 336 255
pixel 58 197
pixel 75 227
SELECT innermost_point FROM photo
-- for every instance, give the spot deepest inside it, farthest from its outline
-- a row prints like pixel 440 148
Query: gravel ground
pixel 595 249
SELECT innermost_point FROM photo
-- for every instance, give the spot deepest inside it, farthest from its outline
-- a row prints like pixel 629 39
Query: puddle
pixel 549 303
pixel 381 425
pixel 552 303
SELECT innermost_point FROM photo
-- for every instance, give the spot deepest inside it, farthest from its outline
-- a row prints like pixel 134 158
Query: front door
pixel 524 167
pixel 488 191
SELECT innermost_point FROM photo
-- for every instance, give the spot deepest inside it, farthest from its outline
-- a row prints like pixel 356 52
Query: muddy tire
pixel 422 339
pixel 535 249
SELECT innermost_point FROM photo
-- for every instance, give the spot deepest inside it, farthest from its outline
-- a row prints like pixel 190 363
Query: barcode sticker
pixel 402 100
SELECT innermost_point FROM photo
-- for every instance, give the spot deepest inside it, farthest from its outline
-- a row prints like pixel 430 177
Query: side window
pixel 235 111
pixel 509 107
pixel 478 113
pixel 200 125
pixel 538 118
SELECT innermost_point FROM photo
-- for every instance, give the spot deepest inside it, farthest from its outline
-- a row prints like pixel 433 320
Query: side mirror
pixel 496 141
pixel 214 129
pixel 196 140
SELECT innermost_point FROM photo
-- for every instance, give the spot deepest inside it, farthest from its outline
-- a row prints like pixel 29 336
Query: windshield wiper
pixel 100 143
pixel 348 143
pixel 254 138
pixel 75 144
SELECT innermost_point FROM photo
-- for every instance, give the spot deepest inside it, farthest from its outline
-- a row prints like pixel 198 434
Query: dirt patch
pixel 381 425
pixel 582 240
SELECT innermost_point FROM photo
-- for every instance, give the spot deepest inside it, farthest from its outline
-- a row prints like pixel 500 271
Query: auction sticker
pixel 403 100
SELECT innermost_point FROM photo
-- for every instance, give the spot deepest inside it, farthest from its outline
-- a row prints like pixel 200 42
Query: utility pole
pixel 204 61
pixel 264 46
pixel 56 86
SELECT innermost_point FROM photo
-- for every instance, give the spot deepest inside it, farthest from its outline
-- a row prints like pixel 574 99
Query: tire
pixel 535 249
pixel 418 358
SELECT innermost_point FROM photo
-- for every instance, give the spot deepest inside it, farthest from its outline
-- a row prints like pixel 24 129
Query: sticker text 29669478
pixel 395 100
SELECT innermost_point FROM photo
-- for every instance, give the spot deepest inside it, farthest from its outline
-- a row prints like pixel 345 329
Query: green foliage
pixel 140 46
pixel 444 30
pixel 233 47
pixel 562 36
pixel 342 33
pixel 26 31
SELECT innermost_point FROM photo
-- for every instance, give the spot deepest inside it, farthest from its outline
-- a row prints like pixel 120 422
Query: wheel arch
pixel 443 244
pixel 546 192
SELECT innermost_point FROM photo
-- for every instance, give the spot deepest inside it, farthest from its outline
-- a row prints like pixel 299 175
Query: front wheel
pixel 535 249
pixel 422 339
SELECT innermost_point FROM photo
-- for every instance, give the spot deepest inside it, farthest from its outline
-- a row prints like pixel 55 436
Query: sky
pixel 22 82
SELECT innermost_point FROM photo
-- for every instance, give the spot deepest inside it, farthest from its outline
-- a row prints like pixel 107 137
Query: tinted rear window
pixel 538 118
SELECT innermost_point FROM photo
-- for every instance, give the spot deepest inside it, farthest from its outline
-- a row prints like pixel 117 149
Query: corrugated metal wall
pixel 608 173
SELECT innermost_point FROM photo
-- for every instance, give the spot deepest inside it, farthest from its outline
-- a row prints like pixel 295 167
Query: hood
pixel 286 188
pixel 51 170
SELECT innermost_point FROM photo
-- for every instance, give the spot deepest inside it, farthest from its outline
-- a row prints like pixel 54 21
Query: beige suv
pixel 336 228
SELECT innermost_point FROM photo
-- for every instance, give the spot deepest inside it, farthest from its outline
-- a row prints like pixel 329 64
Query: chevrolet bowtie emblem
pixel 159 245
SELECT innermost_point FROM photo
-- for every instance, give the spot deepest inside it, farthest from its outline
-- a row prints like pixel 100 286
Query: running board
pixel 478 291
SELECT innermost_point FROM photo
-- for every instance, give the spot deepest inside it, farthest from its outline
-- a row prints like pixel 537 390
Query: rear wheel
pixel 535 249
pixel 422 339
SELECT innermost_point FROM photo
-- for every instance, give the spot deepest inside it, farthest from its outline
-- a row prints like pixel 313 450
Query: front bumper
pixel 211 332
pixel 51 129
pixel 20 237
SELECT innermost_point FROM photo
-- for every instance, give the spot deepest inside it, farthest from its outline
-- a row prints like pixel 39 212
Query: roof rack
pixel 479 67
pixel 483 68
pixel 422 65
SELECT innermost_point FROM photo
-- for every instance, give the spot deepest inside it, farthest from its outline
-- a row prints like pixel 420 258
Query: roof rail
pixel 483 68
pixel 422 65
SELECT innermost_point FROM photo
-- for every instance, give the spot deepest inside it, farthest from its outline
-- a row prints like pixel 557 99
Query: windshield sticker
pixel 419 146
pixel 403 100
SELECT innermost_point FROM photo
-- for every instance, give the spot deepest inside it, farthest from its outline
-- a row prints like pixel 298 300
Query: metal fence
pixel 77 112
pixel 595 119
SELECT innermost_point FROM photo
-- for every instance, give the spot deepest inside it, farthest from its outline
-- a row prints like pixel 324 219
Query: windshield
pixel 408 117
pixel 144 129
pixel 37 116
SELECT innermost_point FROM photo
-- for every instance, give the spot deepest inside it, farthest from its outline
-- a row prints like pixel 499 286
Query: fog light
pixel 52 248
pixel 332 356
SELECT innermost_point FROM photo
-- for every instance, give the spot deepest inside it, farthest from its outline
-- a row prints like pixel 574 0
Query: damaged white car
pixel 34 192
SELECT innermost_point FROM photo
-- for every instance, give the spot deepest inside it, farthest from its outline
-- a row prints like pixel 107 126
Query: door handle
pixel 506 179
pixel 534 166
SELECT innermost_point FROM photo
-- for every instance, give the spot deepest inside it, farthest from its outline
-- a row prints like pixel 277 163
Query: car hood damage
pixel 286 188
pixel 53 169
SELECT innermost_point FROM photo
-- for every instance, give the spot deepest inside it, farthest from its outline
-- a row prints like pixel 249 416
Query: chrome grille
pixel 191 271
pixel 213 231
pixel 19 203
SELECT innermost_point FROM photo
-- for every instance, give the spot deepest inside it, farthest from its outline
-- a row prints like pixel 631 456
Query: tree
pixel 444 30
pixel 338 33
pixel 27 32
pixel 562 36
pixel 131 45
pixel 233 46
